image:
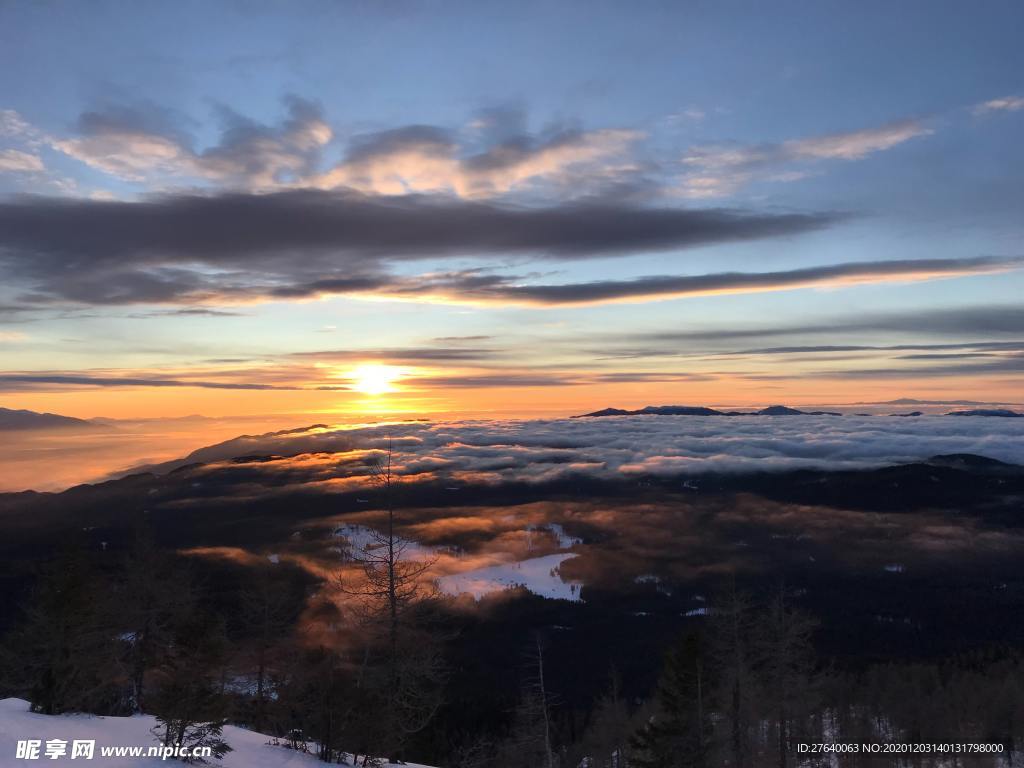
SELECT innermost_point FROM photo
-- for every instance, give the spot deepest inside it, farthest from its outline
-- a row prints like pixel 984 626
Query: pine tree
pixel 677 736
pixel 477 752
pixel 266 609
pixel 189 705
pixel 151 596
pixel 606 742
pixel 60 656
pixel 322 704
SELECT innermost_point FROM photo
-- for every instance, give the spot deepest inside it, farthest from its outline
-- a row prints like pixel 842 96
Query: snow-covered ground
pixel 540 575
pixel 362 541
pixel 250 749
pixel 565 541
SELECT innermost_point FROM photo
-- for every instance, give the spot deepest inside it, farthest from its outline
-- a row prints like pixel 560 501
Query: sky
pixel 358 209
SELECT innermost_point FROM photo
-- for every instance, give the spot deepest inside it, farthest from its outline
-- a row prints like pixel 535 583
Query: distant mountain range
pixel 915 401
pixel 21 419
pixel 772 410
pixel 1004 412
pixel 690 410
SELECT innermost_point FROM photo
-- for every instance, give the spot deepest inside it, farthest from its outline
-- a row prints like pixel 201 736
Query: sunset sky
pixel 363 209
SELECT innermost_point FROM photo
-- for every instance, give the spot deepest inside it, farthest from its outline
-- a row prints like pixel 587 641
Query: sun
pixel 374 379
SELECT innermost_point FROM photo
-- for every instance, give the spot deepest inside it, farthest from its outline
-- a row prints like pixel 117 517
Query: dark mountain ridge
pixel 771 410
pixel 699 410
pixel 998 412
pixel 11 419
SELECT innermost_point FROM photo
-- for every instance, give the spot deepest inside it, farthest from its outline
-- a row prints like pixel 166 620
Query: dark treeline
pixel 747 689
pixel 146 630
pixel 372 664
pixel 142 629
pixel 744 687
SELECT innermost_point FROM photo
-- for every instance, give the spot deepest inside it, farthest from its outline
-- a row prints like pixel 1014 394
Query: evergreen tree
pixel 477 752
pixel 188 702
pixel 606 742
pixel 61 655
pixel 151 596
pixel 677 736
pixel 321 703
pixel 267 608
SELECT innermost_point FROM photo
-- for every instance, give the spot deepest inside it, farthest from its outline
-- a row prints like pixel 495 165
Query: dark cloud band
pixel 191 247
pixel 499 290
pixel 19 381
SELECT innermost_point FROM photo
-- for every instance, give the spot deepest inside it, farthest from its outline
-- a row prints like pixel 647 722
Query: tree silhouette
pixel 678 734
pixel 394 602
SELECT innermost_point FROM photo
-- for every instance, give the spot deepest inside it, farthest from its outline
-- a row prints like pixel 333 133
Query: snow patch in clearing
pixel 563 539
pixel 539 575
pixel 361 540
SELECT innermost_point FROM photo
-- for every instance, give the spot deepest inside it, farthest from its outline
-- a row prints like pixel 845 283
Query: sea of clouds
pixel 629 446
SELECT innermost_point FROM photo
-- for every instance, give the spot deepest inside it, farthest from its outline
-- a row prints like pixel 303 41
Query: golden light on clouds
pixel 374 379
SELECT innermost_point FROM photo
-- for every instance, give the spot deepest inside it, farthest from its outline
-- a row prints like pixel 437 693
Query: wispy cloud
pixel 145 145
pixel 950 366
pixel 421 159
pixel 1003 104
pixel 323 371
pixel 495 157
pixel 16 161
pixel 813 349
pixel 15 127
pixel 717 170
pixel 14 382
pixel 137 145
pixel 476 288
pixel 400 355
pixel 953 322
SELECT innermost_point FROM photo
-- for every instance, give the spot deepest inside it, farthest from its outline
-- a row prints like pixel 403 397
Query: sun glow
pixel 374 379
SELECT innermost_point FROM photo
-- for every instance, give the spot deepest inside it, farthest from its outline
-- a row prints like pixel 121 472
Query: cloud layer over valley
pixel 615 448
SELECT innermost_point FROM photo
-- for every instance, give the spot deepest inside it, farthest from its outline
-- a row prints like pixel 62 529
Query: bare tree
pixel 394 601
pixel 267 607
pixel 543 699
pixel 530 743
pixel 787 667
pixel 393 581
pixel 733 650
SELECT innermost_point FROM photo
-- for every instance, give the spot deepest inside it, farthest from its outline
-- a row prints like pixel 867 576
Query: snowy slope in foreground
pixel 17 723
